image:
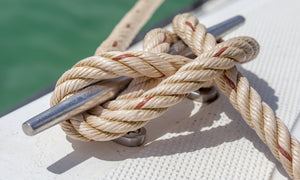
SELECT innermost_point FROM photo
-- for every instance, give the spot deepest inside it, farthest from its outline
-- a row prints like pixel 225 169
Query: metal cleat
pixel 106 90
pixel 204 95
pixel 132 138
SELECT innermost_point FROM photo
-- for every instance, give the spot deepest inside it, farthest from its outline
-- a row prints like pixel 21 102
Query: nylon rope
pixel 162 80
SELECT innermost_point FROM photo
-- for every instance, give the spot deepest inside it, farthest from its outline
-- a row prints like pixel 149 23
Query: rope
pixel 260 117
pixel 163 80
pixel 123 34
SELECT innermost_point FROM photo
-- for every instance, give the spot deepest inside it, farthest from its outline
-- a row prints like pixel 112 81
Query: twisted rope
pixel 149 95
pixel 260 117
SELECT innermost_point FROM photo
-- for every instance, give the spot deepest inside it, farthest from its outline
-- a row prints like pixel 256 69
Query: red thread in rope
pixel 220 52
pixel 190 24
pixel 230 83
pixel 115 44
pixel 165 37
pixel 143 102
pixel 284 153
pixel 123 56
pixel 128 25
pixel 160 77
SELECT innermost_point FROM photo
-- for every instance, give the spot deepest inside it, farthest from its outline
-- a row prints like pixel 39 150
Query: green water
pixel 39 39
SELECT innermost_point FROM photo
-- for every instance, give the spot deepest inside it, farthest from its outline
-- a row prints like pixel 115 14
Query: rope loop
pixel 162 80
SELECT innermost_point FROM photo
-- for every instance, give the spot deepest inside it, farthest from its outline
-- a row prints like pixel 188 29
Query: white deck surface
pixel 191 141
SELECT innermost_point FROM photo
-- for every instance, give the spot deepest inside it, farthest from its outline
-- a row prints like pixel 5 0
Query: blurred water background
pixel 39 39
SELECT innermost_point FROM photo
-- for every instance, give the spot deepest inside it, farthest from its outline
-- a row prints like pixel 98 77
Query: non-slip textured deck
pixel 190 141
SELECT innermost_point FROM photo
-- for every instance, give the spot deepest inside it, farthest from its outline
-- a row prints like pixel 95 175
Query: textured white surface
pixel 191 141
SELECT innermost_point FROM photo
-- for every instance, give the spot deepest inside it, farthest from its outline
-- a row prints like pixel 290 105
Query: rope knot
pixel 149 96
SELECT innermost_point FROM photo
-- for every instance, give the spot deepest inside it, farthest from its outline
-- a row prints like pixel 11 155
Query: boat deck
pixel 192 140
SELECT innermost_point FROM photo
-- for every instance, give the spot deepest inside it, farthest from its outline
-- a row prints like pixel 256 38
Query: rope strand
pixel 149 95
